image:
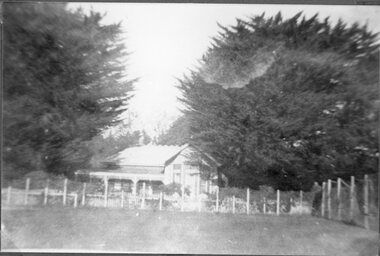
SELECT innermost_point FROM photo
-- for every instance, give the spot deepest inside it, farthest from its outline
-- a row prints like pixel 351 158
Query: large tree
pixel 177 134
pixel 287 102
pixel 104 147
pixel 64 83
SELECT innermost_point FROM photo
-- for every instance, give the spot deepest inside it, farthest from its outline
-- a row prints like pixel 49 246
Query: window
pixel 191 167
pixel 127 186
pixel 177 166
pixel 117 186
pixel 203 186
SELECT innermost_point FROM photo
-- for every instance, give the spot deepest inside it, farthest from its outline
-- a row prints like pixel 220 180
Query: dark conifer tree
pixel 63 84
pixel 287 102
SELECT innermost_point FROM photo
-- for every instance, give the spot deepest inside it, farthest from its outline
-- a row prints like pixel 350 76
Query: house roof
pixel 150 159
pixel 127 170
pixel 197 154
pixel 149 155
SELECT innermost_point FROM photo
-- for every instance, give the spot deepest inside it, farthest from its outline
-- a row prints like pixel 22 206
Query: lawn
pixel 176 232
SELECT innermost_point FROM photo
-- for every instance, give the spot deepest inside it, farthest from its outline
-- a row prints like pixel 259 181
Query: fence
pixel 227 200
pixel 38 196
pixel 353 201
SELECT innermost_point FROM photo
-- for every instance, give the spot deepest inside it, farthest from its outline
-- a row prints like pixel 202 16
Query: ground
pixel 176 232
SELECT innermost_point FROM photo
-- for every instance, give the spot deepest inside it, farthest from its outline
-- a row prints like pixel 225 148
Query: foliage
pixel 287 102
pixel 146 139
pixel 103 147
pixel 63 84
pixel 173 188
pixel 41 179
pixel 178 133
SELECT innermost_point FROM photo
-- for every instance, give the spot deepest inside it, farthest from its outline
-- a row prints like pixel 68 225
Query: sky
pixel 166 41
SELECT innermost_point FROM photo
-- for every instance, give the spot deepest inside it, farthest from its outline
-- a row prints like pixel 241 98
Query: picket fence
pixel 242 201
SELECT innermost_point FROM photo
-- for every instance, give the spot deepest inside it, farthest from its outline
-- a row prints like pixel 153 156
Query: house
pixel 154 165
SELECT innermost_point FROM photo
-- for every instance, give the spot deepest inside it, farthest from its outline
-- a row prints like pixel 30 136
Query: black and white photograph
pixel 190 128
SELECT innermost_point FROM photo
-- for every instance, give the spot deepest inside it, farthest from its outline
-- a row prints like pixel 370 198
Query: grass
pixel 176 232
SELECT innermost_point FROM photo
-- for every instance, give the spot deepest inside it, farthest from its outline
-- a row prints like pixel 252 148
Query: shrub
pixel 173 188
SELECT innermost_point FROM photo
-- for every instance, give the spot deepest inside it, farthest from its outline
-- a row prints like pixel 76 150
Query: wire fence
pixel 61 191
pixel 352 201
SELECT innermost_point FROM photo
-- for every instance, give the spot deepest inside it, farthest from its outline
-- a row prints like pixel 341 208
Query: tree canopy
pixel 64 82
pixel 104 147
pixel 177 134
pixel 286 102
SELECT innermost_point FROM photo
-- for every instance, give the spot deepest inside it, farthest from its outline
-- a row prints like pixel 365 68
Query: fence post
pixel 64 191
pixel 122 199
pixel 128 199
pixel 366 224
pixel 217 199
pixel 26 191
pixel 84 194
pixel 265 206
pixel 143 197
pixel 9 193
pixel 75 200
pixel 160 205
pixel 301 200
pixel 233 204
pixel 338 194
pixel 105 191
pixel 134 188
pixel 46 195
pixel 46 192
pixel 182 197
pixel 248 199
pixel 329 212
pixel 323 199
pixel 278 202
pixel 198 185
pixel 352 197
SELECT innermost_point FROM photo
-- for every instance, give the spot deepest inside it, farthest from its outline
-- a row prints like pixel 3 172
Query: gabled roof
pixel 197 154
pixel 149 155
pixel 152 155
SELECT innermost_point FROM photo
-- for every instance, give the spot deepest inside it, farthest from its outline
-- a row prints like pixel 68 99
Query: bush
pixel 230 191
pixel 173 188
